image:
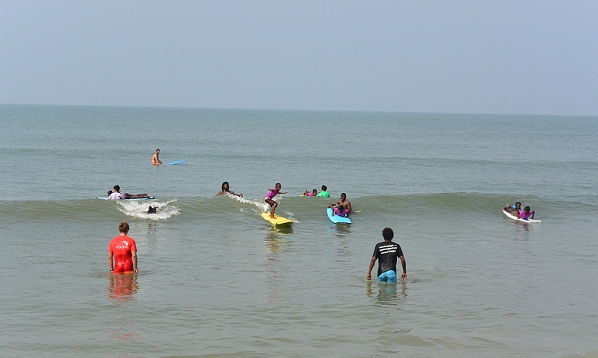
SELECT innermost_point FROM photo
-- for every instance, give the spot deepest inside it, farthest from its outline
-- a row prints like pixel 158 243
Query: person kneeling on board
pixel 344 203
pixel 526 213
pixel 386 253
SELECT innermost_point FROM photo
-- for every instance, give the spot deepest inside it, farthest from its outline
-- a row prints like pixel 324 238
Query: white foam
pixel 139 208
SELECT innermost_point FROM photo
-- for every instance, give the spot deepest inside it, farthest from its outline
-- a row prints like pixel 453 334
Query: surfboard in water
pixel 277 220
pixel 511 216
pixel 177 162
pixel 336 218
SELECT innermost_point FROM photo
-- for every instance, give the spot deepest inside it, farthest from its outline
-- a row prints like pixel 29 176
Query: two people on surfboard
pixel 269 198
pixel 224 189
pixel 515 210
pixel 156 158
pixel 115 194
pixel 342 207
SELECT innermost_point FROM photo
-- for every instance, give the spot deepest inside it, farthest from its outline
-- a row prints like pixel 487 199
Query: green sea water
pixel 216 280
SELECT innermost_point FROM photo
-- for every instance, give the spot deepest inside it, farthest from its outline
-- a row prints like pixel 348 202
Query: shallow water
pixel 215 279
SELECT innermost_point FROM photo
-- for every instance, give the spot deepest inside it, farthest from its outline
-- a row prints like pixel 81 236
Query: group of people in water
pixel 515 210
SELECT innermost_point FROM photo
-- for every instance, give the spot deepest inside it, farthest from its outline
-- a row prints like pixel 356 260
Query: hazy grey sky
pixel 416 55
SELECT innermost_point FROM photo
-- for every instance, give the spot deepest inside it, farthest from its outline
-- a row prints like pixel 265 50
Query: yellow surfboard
pixel 277 220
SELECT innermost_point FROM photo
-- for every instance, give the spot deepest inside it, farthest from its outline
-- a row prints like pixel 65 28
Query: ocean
pixel 216 280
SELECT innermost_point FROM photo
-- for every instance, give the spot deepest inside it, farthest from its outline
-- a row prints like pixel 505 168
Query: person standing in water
pixel 122 251
pixel 269 198
pixel 156 158
pixel 226 190
pixel 386 253
pixel 323 192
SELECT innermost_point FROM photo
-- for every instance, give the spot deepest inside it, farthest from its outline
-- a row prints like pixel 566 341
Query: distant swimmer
pixel 225 190
pixel 122 251
pixel 323 192
pixel 117 195
pixel 346 204
pixel 156 158
pixel 386 253
pixel 269 198
pixel 313 193
pixel 152 209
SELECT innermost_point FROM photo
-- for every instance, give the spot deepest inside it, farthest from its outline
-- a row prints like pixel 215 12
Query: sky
pixel 523 57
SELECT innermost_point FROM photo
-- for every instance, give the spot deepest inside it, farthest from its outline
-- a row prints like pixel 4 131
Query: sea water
pixel 215 279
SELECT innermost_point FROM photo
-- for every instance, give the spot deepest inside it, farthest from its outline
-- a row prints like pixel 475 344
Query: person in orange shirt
pixel 122 251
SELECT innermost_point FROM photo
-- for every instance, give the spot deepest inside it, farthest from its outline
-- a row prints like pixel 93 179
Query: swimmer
pixel 323 192
pixel 225 190
pixel 156 158
pixel 152 209
pixel 122 251
pixel 269 198
pixel 386 253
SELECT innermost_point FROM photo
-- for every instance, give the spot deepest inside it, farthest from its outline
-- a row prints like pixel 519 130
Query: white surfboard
pixel 511 216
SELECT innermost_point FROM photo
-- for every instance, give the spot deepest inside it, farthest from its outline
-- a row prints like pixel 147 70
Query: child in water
pixel 340 211
pixel 313 193
pixel 269 198
pixel 526 213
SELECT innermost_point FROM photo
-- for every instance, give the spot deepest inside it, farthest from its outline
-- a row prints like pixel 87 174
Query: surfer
pixel 513 209
pixel 386 253
pixel 122 251
pixel 526 213
pixel 323 192
pixel 269 198
pixel 346 204
pixel 225 190
pixel 156 158
pixel 116 195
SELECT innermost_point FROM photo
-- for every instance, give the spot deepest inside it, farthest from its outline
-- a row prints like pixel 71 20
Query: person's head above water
pixel 152 210
pixel 387 234
pixel 109 192
pixel 224 186
pixel 314 191
pixel 158 150
pixel 527 208
pixel 343 196
pixel 123 227
pixel 116 188
pixel 324 188
pixel 278 186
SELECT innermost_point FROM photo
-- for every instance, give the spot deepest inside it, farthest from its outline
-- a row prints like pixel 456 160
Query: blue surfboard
pixel 177 162
pixel 337 219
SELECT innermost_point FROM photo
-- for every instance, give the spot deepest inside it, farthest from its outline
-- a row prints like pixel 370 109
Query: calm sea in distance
pixel 216 280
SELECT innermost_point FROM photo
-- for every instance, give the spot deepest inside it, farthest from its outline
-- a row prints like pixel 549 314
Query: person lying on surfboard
pixel 346 204
pixel 513 209
pixel 340 211
pixel 269 198
pixel 526 213
pixel 116 194
pixel 225 190
pixel 313 193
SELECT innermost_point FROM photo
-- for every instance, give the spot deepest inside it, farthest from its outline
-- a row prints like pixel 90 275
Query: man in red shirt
pixel 122 251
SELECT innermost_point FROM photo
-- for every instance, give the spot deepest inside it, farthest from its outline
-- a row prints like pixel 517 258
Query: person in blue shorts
pixel 386 253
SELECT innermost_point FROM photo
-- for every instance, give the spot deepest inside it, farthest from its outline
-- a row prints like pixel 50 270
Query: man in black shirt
pixel 387 252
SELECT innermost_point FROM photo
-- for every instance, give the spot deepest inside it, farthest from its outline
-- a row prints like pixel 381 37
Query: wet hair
pixel 222 186
pixel 324 187
pixel 278 184
pixel 343 194
pixel 157 150
pixel 109 192
pixel 123 227
pixel 116 187
pixel 314 191
pixel 152 210
pixel 517 202
pixel 526 208
pixel 341 208
pixel 387 234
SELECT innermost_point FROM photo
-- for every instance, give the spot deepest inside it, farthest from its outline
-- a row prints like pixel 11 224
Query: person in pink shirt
pixel 270 198
pixel 526 213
